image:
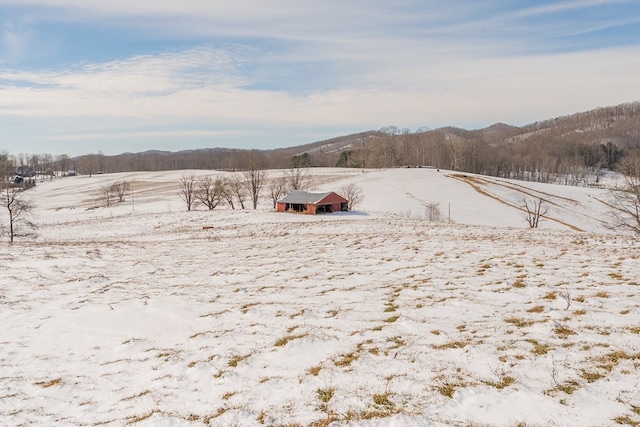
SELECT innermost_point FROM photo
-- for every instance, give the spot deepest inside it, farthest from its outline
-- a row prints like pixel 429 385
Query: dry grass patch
pixel 536 309
pixel 483 268
pixel 626 420
pixel 207 360
pixel 568 387
pixel 505 381
pixel 245 308
pixel 563 331
pixel 447 390
pixel 166 354
pixel 233 362
pixel 206 420
pixel 135 396
pixel 285 340
pixel 599 329
pixel 519 283
pixel 550 295
pixel 50 383
pixel 591 376
pixel 520 323
pixel 383 400
pixel 314 370
pixel 538 348
pixel 450 345
pixel 139 418
pixel 367 415
pixel 325 394
pixel 300 313
pixel 397 341
pixel 347 359
pixel 228 395
pixel 609 361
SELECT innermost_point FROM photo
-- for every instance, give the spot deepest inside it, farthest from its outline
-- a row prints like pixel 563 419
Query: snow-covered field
pixel 145 314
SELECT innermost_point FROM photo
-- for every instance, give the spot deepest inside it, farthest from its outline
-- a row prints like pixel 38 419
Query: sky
pixel 79 77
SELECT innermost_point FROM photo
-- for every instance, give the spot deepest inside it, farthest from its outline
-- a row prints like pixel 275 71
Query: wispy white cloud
pixel 14 41
pixel 415 92
pixel 107 135
pixel 565 6
pixel 277 66
pixel 137 86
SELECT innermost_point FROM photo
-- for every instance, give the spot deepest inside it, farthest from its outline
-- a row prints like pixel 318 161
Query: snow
pixel 145 314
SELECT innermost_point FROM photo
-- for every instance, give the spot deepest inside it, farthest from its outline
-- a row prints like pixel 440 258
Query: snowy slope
pixel 145 314
pixel 478 200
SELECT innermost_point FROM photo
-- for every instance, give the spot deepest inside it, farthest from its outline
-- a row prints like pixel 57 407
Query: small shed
pixel 312 203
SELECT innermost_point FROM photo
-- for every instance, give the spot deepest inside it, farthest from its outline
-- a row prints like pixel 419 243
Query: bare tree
pixel 186 189
pixel 354 195
pixel 116 190
pixel 534 210
pixel 11 198
pixel 432 212
pixel 107 194
pixel 63 163
pixel 627 199
pixel 120 189
pixel 254 180
pixel 566 296
pixel 297 178
pixel 227 195
pixel 277 188
pixel 210 192
pixel 5 167
pixel 236 188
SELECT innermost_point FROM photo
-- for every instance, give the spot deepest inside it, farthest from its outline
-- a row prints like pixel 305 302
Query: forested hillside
pixel 569 149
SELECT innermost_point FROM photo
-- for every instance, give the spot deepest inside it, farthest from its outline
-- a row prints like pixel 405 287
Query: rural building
pixel 25 172
pixel 312 203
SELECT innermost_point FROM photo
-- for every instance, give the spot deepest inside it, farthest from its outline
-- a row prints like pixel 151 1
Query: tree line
pixel 240 190
pixel 567 150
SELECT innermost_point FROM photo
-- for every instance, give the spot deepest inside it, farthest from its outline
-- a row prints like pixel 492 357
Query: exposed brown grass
pixel 50 383
pixel 233 362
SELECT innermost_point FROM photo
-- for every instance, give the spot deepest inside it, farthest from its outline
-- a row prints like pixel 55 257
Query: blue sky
pixel 80 76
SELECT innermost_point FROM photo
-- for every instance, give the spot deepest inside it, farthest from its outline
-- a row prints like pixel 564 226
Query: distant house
pixel 25 172
pixel 312 203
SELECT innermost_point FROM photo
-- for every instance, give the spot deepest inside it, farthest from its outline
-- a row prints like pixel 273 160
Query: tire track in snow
pixel 475 183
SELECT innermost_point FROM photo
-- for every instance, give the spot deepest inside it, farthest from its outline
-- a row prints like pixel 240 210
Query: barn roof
pixel 304 198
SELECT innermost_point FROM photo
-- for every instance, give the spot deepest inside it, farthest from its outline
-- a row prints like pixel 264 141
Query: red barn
pixel 312 203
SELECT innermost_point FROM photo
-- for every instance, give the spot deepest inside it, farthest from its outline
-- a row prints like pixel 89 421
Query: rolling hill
pixel 145 314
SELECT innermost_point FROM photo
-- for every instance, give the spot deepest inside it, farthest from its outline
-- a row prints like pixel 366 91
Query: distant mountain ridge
pixel 617 127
